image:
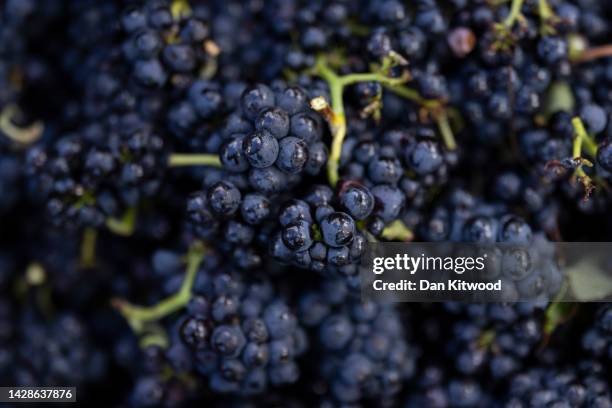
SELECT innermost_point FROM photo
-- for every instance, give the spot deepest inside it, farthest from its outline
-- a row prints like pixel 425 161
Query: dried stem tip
pixel 320 105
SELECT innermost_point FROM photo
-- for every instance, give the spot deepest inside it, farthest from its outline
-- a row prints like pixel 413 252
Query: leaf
pixel 588 282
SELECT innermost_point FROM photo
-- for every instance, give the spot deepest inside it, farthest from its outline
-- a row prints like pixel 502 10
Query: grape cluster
pixel 437 389
pixel 494 340
pixel 165 43
pixel 583 385
pixel 88 177
pixel 24 72
pixel 526 263
pixel 246 341
pixel 55 353
pixel 237 335
pixel 400 167
pixel 365 353
pixel 315 235
pixel 274 139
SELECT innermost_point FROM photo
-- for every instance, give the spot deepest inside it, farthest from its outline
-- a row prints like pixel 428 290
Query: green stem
pixel 339 133
pixel 336 118
pixel 156 337
pixel 544 10
pixel 350 79
pixel 176 160
pixel 515 13
pixel 138 316
pixel 577 145
pixel 336 87
pixel 26 135
pixel 335 115
pixel 590 53
pixel 125 225
pixel 548 18
pixel 486 339
pixel 180 9
pixel 435 108
pixel 446 131
pixel 397 231
pixel 88 248
pixel 410 94
pixel 582 137
pixel 591 148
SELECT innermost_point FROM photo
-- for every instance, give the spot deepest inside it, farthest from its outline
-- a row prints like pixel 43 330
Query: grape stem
pixel 547 18
pixel 412 95
pixel 435 108
pixel 593 53
pixel 515 13
pixel 486 339
pixel 88 248
pixel 177 160
pixel 138 316
pixel 397 231
pixel 544 10
pixel 445 130
pixel 335 115
pixel 180 9
pixel 582 138
pixel 125 225
pixel 26 135
pixel 503 30
pixel 155 336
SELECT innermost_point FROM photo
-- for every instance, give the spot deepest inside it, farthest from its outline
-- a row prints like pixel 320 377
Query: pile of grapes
pixel 188 187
